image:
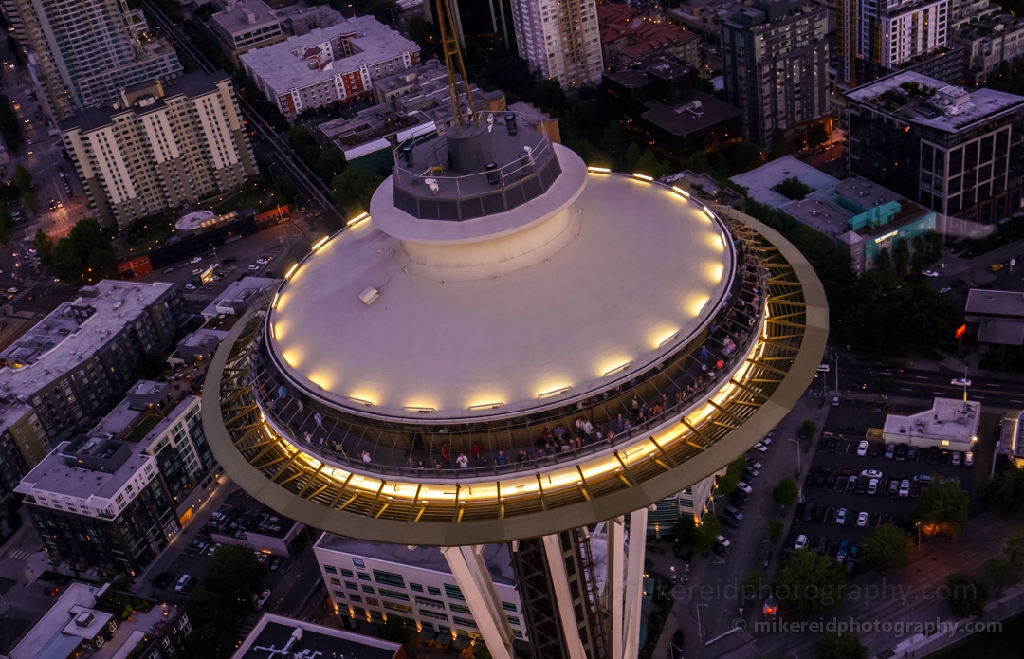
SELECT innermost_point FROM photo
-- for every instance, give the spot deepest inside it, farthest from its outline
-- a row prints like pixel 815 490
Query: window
pixel 363 576
pixel 390 593
pixel 351 585
pixel 330 569
pixel 372 601
pixel 513 620
pixel 431 614
pixel 340 595
pixel 368 589
pixel 508 606
pixel 464 621
pixel 335 582
pixel 458 608
pixel 417 588
pixel 433 591
pixel 397 607
pixel 389 578
pixel 453 592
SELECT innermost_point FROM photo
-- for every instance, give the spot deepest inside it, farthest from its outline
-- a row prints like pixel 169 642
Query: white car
pixel 841 516
pixel 929 273
pixel 871 473
pixel 753 463
pixel 945 289
pixel 196 271
pixel 190 286
pixel 760 447
pixel 253 267
pixel 197 259
pixel 969 459
pixel 182 582
pixel 723 540
pixel 862 519
pixel 873 486
pixel 862 448
pixel 262 260
pixel 905 489
pixel 960 382
pixel 743 487
pixel 835 401
pixel 801 542
pixel 767 441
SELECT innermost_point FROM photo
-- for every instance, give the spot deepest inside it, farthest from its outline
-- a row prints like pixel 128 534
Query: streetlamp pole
pixel 798 467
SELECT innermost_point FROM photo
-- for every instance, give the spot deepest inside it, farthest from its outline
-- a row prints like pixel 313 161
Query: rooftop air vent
pixel 369 296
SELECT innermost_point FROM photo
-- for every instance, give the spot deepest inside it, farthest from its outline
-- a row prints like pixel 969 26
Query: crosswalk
pixel 307 232
pixel 19 554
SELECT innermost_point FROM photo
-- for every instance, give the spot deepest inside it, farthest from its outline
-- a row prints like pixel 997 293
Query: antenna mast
pixel 452 54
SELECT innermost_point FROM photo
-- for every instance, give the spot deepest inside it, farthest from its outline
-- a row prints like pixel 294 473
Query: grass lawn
pixel 145 425
pixel 248 198
pixel 1007 643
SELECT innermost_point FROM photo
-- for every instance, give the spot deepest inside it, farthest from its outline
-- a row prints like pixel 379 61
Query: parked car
pixel 851 484
pixel 862 448
pixel 956 458
pixel 905 488
pixel 754 473
pixel 943 456
pixel 182 582
pixel 753 462
pixel 809 512
pixel 719 549
pixel 922 478
pixel 275 565
pixel 841 516
pixel 163 580
pixel 862 485
pixel 801 542
pixel 871 473
pixel 823 545
pixel 915 490
pixel 746 478
pixel 901 453
pixel 863 518
pixel 844 547
pixel 933 455
pixel 832 445
pixel 730 522
pixel 835 401
pixel 873 486
pixel 744 487
pixel 736 514
pixel 890 451
pixel 820 513
pixel 873 450
pixel 253 267
pixel 197 259
pixel 894 487
pixel 912 454
pixel 969 459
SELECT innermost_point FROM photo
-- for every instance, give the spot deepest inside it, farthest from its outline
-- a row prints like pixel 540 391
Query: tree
pixel 6 224
pixel 785 492
pixel 385 11
pixel 426 36
pixel 44 246
pixel 1013 549
pixel 941 508
pixel 354 188
pixel 85 256
pixel 808 583
pixel 999 573
pixel 966 596
pixel 698 163
pixel 751 585
pixel 817 136
pixel 1005 492
pixel 720 171
pixel 615 142
pixel 649 164
pixel 550 96
pixel 706 533
pixel 234 572
pixel 793 188
pixel 727 484
pixel 840 646
pixel 774 530
pixel 31 201
pixel 23 179
pixel 746 157
pixel 887 548
pixel 808 428
pixel 394 630
pixel 902 256
pixel 884 262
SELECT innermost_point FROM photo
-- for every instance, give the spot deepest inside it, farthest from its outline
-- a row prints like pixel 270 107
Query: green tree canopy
pixel 887 548
pixel 698 163
pixel 941 508
pixel 1005 492
pixel 85 256
pixel 705 535
pixel 615 142
pixel 23 179
pixel 1013 549
pixel 234 571
pixel 775 528
pixel 746 157
pixel 785 492
pixel 727 484
pixel 1000 573
pixel 840 646
pixel 967 596
pixel 793 188
pixel 808 583
pixel 353 189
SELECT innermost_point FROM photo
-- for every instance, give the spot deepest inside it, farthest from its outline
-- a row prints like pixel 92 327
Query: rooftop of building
pixel 623 22
pixel 950 419
pixel 204 338
pixel 704 186
pixel 12 413
pixel 496 556
pixel 244 15
pixel 760 183
pixel 985 302
pixel 58 343
pixel 273 634
pixel 931 103
pixel 429 71
pixel 55 475
pixel 990 27
pixel 831 210
pixel 118 420
pixel 191 85
pixel 699 113
pixel 238 292
pixel 283 66
pixel 46 638
pixel 370 124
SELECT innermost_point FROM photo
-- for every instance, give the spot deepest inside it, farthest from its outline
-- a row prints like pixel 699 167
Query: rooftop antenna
pixel 453 55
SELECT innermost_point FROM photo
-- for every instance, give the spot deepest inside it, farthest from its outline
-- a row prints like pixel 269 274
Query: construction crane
pixel 453 55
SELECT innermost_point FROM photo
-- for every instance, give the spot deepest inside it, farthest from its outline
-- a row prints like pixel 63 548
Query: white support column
pixel 616 534
pixel 470 572
pixel 563 597
pixel 635 581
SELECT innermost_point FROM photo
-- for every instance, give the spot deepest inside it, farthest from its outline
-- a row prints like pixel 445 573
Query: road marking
pixel 902 389
pixel 921 377
pixel 992 385
pixel 979 398
pixel 1016 401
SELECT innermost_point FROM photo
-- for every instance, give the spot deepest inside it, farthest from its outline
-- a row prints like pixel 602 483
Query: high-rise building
pixel 888 34
pixel 560 40
pixel 69 366
pixel 484 23
pixel 100 503
pixel 954 151
pixel 23 444
pixel 160 148
pixel 776 60
pixel 85 52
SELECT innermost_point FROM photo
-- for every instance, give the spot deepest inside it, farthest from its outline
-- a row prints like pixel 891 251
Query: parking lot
pixel 828 489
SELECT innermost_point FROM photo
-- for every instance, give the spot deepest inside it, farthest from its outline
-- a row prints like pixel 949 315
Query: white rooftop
pixel 609 296
pixel 45 638
pixel 951 109
pixel 950 419
pixel 759 182
pixel 244 15
pixel 238 292
pixel 57 343
pixel 283 66
pixel 52 477
pixel 995 303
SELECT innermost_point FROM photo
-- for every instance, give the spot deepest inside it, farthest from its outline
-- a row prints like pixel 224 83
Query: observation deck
pixel 694 399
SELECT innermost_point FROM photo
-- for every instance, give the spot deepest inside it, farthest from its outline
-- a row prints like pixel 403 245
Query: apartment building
pixel 161 147
pixel 84 353
pixel 989 41
pixel 626 36
pixel 244 25
pixel 100 503
pixel 560 40
pixel 23 444
pixel 954 151
pixel 83 53
pixel 335 64
pixel 776 59
pixel 369 581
